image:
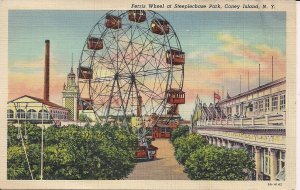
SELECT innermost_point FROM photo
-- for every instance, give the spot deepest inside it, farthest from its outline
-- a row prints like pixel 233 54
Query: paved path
pixel 164 167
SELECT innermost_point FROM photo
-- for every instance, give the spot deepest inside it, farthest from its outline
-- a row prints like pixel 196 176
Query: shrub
pixel 179 132
pixel 184 146
pixel 214 163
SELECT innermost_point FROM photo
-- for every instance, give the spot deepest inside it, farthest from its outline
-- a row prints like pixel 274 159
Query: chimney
pixel 46 76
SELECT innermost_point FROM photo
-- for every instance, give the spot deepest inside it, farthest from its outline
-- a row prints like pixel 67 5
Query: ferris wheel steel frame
pixel 130 64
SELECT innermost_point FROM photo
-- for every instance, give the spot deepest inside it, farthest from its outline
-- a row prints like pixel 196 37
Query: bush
pixel 179 132
pixel 84 118
pixel 184 146
pixel 99 152
pixel 213 163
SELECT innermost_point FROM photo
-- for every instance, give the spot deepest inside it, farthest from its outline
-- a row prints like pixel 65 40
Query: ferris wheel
pixel 131 65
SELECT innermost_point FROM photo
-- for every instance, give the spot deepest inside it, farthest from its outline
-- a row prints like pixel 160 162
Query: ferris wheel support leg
pixel 110 99
pixel 119 90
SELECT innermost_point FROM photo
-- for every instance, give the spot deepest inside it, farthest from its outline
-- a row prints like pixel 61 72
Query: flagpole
pixel 214 99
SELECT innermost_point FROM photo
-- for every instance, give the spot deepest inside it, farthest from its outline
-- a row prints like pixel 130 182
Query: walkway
pixel 164 167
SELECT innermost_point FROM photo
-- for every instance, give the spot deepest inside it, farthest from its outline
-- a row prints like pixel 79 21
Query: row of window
pixel 32 114
pixel 59 114
pixel 262 105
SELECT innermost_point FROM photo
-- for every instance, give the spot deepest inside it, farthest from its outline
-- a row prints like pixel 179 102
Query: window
pixel 260 106
pixel 282 102
pixel 250 106
pixel 267 104
pixel 274 103
pixel 20 114
pixel 46 115
pixel 265 161
pixel 280 160
pixel 10 114
pixel 31 114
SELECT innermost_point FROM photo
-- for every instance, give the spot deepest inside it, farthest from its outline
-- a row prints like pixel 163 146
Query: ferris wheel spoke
pixel 130 65
pixel 148 91
pixel 148 62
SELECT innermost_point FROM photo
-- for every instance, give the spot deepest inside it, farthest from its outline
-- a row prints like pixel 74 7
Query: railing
pixel 263 120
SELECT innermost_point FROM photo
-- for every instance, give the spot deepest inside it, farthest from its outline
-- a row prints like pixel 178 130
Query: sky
pixel 219 46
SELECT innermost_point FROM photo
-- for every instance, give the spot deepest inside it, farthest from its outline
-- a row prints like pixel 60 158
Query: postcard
pixel 148 95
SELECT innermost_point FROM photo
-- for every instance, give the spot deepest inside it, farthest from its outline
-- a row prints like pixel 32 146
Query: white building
pixel 255 120
pixel 29 109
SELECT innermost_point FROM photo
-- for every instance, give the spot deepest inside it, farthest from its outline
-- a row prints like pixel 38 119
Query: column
pixel 229 145
pixel 273 164
pixel 218 142
pixel 267 119
pixel 224 143
pixel 257 161
pixel 213 141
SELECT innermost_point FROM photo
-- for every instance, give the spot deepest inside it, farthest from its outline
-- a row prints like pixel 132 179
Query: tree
pixel 73 152
pixel 179 132
pixel 214 163
pixel 184 146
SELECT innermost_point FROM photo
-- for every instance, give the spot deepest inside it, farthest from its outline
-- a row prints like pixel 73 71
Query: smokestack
pixel 46 76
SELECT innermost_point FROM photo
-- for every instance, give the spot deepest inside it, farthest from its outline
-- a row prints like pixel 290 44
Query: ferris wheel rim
pixel 168 86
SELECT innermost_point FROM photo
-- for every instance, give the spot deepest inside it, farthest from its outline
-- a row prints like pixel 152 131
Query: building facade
pixel 29 109
pixel 254 120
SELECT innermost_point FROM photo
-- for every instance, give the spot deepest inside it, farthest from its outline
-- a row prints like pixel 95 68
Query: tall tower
pixel 70 94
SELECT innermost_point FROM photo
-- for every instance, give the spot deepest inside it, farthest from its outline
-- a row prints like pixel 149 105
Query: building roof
pixel 262 87
pixel 71 73
pixel 48 103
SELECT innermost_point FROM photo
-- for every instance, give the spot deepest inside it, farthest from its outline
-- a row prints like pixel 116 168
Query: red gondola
pixel 176 97
pixel 146 153
pixel 113 22
pixel 137 15
pixel 175 57
pixel 161 132
pixel 95 43
pixel 159 26
pixel 85 73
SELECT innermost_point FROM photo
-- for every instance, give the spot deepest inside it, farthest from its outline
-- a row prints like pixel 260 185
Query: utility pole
pixel 42 144
pixel 248 81
pixel 259 74
pixel 240 83
pixel 272 70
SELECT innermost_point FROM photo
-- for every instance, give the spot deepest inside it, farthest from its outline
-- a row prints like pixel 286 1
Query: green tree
pixel 179 132
pixel 214 163
pixel 73 152
pixel 184 146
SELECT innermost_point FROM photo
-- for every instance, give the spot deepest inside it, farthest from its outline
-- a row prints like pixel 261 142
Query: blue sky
pixel 230 43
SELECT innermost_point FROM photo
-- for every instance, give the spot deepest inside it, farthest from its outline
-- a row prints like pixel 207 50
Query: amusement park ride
pixel 132 66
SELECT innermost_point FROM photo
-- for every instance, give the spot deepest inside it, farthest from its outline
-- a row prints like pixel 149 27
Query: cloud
pixel 256 54
pixel 222 69
pixel 27 77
